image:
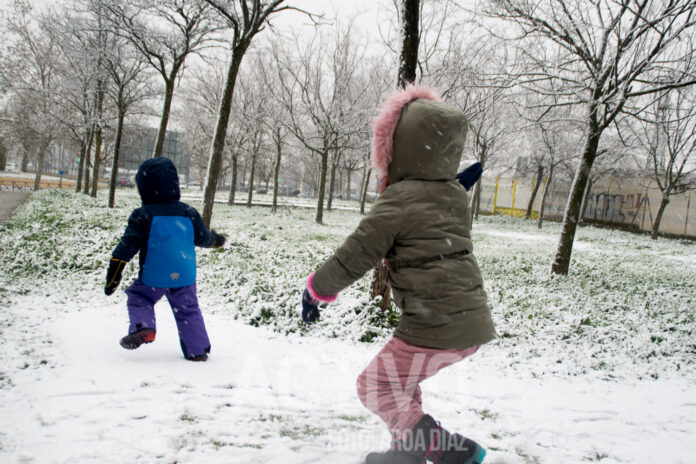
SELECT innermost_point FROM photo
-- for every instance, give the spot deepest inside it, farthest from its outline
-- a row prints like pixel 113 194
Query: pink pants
pixel 389 384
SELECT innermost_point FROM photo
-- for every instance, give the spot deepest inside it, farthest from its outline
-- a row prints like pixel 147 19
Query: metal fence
pixel 27 185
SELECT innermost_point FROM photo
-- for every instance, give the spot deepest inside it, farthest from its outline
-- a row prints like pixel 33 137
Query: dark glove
pixel 470 175
pixel 310 308
pixel 219 240
pixel 113 275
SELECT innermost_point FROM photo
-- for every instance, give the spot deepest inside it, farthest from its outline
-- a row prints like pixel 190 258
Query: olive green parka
pixel 422 225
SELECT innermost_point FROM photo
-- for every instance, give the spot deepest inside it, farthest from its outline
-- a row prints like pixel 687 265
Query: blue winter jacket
pixel 164 230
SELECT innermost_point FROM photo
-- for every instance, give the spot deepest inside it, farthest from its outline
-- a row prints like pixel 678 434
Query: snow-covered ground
pixel 594 367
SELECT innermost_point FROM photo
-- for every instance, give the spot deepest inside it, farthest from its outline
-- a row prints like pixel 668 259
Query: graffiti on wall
pixel 611 207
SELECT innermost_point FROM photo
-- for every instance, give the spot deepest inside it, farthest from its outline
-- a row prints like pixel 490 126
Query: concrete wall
pixel 627 202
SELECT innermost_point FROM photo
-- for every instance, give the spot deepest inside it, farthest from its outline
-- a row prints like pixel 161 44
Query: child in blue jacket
pixel 165 231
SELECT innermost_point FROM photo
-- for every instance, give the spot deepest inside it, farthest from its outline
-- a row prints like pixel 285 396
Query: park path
pixel 9 201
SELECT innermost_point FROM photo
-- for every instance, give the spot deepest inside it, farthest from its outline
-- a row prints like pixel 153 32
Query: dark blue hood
pixel 158 181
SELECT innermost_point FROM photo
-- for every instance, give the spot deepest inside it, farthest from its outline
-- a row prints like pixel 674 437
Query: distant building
pixel 139 142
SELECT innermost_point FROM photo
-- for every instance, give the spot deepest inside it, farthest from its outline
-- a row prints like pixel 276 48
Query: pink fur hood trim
pixel 388 118
pixel 315 295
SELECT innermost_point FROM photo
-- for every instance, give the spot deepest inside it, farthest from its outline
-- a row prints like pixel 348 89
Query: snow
pixel 596 367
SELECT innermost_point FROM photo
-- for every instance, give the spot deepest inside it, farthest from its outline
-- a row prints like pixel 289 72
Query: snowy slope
pixel 583 388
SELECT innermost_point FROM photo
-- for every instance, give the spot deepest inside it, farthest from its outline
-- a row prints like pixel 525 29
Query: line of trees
pixel 578 89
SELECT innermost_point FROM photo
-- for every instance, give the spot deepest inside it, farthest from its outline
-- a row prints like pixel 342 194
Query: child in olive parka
pixel 421 224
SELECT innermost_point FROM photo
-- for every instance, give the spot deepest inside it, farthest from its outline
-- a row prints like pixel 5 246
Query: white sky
pixel 370 11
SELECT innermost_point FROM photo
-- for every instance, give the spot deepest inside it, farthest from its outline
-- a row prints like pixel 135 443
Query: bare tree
pixel 602 55
pixel 201 102
pixel 20 109
pixel 554 131
pixel 245 19
pixel 352 162
pixel 31 70
pixel 275 117
pixel 322 96
pixel 72 33
pixel 254 99
pixel 668 137
pixel 99 42
pixel 165 32
pixel 130 86
pixel 470 71
pixel 556 139
pixel 237 138
pixel 491 129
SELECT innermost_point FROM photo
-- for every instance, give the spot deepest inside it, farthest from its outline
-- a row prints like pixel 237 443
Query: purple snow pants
pixel 189 320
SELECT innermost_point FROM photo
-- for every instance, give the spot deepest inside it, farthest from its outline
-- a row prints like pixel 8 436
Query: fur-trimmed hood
pixel 417 137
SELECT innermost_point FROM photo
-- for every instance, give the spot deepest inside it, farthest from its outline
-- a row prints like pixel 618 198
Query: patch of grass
pixel 186 417
pixel 302 433
pixel 369 336
pixel 360 419
pixel 486 414
pixel 595 457
pixel 622 292
pixel 221 444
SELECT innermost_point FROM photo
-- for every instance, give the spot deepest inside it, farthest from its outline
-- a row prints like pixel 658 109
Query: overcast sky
pixel 369 11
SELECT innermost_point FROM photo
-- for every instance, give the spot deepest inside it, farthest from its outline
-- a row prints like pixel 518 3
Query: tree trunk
pixel 218 145
pixel 164 121
pixel 380 284
pixel 571 217
pixel 535 190
pixel 97 162
pixel 585 198
pixel 233 182
pixel 544 194
pixel 332 184
pixel 25 159
pixel 88 164
pixel 114 162
pixel 81 162
pixel 276 174
pixel 39 164
pixel 322 187
pixel 3 155
pixel 80 165
pixel 409 49
pixel 250 193
pixel 658 216
pixel 476 202
pixel 98 147
pixel 349 175
pixel 242 179
pixel 363 188
pixel 363 191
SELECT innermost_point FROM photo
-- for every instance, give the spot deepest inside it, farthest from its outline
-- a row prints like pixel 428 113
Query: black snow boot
pixel 444 447
pixel 392 457
pixel 134 340
pixel 429 441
